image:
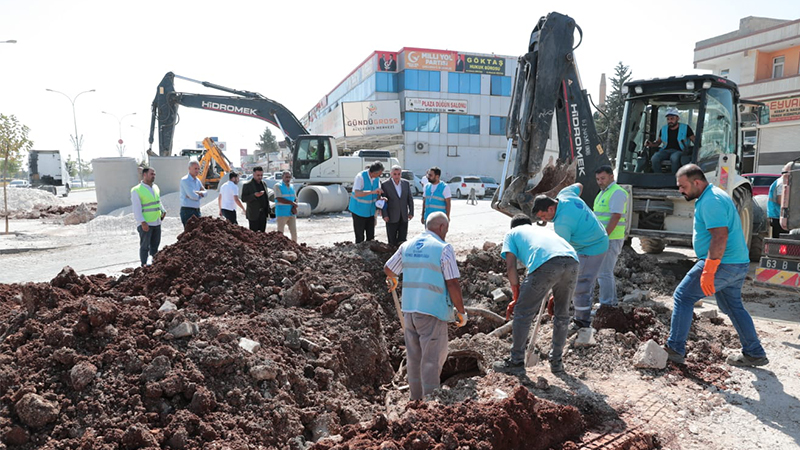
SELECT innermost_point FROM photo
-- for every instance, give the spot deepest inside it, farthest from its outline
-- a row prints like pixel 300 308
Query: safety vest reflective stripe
pixel 426 286
pixel 364 206
pixel 414 265
pixel 683 130
pixel 434 200
pixel 151 202
pixel 603 212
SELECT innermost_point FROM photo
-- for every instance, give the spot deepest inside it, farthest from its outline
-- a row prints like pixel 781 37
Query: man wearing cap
pixel 672 142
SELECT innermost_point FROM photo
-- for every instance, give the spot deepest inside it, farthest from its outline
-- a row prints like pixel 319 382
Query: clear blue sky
pixel 295 53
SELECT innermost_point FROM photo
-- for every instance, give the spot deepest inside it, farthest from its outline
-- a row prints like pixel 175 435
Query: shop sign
pixel 488 65
pixel 372 118
pixel 422 59
pixel 784 109
pixel 436 105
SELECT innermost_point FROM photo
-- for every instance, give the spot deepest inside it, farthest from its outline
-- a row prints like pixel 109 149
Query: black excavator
pixel 547 84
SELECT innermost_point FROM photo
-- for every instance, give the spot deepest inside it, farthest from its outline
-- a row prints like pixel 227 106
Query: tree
pixel 615 103
pixel 267 142
pixel 72 166
pixel 13 142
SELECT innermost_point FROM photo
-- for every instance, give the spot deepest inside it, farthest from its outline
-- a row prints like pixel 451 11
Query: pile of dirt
pixel 41 211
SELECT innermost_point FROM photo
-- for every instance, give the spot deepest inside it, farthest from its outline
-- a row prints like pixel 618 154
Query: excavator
pixel 547 90
pixel 214 165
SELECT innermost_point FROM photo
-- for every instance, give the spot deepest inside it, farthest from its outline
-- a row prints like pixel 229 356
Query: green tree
pixel 72 166
pixel 13 142
pixel 267 142
pixel 615 103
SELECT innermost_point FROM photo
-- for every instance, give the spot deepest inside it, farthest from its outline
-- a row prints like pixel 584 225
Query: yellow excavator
pixel 213 163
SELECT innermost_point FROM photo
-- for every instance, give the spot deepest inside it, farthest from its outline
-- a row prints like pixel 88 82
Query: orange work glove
pixel 515 292
pixel 510 309
pixel 551 306
pixel 461 319
pixel 392 283
pixel 707 278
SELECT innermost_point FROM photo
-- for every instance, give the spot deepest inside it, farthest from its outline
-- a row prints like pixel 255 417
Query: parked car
pixel 490 185
pixel 460 186
pixel 414 181
pixel 761 182
pixel 19 184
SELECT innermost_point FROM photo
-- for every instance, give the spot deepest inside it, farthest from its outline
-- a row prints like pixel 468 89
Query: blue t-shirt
pixel 535 246
pixel 715 209
pixel 578 225
pixel 773 207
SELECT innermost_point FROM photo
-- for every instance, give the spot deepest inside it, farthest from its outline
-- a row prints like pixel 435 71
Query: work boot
pixel 742 360
pixel 576 325
pixel 507 366
pixel 557 366
pixel 674 356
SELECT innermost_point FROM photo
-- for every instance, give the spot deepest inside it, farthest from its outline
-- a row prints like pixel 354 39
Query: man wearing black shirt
pixel 255 194
pixel 673 142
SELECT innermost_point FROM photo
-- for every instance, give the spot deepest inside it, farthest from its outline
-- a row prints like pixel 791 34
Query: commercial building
pixel 428 107
pixel 763 58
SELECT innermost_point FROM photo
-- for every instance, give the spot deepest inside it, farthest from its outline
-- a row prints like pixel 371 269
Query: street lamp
pixel 76 141
pixel 120 147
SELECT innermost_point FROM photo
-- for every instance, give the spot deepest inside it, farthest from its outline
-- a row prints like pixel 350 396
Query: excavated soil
pixel 48 211
pixel 234 339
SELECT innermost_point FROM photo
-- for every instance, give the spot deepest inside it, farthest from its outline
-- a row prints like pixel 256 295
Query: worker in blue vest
pixel 286 205
pixel 431 299
pixel 148 212
pixel 436 195
pixel 672 142
pixel 774 203
pixel 366 191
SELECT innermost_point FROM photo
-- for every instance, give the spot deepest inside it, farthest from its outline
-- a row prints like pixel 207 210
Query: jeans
pixel 186 213
pixel 148 242
pixel 673 154
pixel 559 274
pixel 605 278
pixel 587 276
pixel 728 284
pixel 426 352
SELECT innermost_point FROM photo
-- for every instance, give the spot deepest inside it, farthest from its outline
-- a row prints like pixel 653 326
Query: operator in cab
pixel 672 142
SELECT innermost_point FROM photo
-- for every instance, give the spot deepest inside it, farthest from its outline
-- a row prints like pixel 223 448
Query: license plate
pixel 780 264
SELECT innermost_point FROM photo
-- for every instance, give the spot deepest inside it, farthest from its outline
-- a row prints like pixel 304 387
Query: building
pixel 428 107
pixel 763 58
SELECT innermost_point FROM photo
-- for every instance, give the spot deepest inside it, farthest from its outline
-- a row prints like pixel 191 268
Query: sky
pixel 295 53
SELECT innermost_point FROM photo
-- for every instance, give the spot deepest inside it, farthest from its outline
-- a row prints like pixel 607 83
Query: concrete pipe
pixel 169 171
pixel 323 199
pixel 113 180
pixel 303 210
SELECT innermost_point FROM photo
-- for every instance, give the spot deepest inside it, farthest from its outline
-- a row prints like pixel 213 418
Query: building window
pixel 501 86
pixel 463 83
pixel 417 121
pixel 386 82
pixel 777 67
pixel 452 150
pixel 459 124
pixel 724 73
pixel 497 125
pixel 420 80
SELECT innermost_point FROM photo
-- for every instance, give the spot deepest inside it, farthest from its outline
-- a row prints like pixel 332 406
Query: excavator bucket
pixel 547 88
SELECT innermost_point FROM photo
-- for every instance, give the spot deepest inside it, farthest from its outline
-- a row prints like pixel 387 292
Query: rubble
pixel 650 356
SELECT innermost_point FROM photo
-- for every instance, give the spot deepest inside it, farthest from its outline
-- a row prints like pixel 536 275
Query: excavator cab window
pixel 718 125
pixel 311 152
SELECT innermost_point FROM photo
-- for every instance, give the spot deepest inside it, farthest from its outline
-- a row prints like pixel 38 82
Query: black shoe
pixel 557 366
pixel 674 356
pixel 742 360
pixel 507 366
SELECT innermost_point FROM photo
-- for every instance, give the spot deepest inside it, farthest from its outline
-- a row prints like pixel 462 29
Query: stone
pixel 16 435
pixel 203 401
pixel 585 338
pixel 637 296
pixel 288 255
pixel 34 411
pixel 299 294
pixel 137 436
pixel 499 296
pixel 264 372
pixel 168 306
pixel 542 383
pixel 79 215
pixel 321 426
pixel 698 304
pixel 249 345
pixel 157 369
pixel 494 278
pixel 82 374
pixel 709 314
pixel 650 356
pixel 185 329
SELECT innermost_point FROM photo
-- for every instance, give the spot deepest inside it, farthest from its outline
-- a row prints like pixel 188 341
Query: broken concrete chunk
pixel 494 278
pixel 585 337
pixel 185 329
pixel 288 255
pixel 650 356
pixel 168 306
pixel 82 374
pixel 249 345
pixel 709 314
pixel 499 296
pixel 638 295
pixel 34 411
pixel 263 372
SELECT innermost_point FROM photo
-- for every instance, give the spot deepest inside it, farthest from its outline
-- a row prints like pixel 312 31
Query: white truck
pixel 47 171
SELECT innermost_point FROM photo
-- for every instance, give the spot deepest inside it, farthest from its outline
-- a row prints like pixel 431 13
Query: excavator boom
pixel 547 86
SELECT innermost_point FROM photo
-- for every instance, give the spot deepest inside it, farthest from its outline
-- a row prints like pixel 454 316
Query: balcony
pixel 772 87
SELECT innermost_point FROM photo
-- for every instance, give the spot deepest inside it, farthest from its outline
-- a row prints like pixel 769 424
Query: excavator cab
pixel 311 151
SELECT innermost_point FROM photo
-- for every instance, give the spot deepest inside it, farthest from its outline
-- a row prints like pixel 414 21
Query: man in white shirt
pixel 148 212
pixel 436 196
pixel 229 198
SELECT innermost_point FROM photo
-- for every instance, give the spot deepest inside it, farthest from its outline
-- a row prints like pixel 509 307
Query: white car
pixel 460 186
pixel 413 180
pixel 19 184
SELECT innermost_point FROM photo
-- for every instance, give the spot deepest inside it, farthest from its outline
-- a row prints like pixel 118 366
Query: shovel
pixel 531 355
pixel 399 310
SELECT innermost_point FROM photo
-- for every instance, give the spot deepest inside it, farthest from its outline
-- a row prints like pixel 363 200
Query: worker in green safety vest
pixel 611 208
pixel 148 212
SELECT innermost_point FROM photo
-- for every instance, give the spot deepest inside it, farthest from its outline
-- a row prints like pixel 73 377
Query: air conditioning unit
pixel 421 147
pixel 501 156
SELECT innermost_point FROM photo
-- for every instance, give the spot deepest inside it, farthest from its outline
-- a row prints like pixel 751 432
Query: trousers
pixel 362 226
pixel 148 242
pixel 587 275
pixel 292 222
pixel 605 277
pixel 397 232
pixel 426 352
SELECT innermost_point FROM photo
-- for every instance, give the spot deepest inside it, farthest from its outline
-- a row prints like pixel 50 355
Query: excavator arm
pixel 242 103
pixel 547 85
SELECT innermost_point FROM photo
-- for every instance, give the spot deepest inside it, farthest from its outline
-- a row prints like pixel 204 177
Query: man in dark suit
pixel 256 194
pixel 399 207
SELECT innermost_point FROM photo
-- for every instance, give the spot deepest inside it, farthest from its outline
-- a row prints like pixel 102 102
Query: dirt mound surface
pixel 520 421
pixel 40 211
